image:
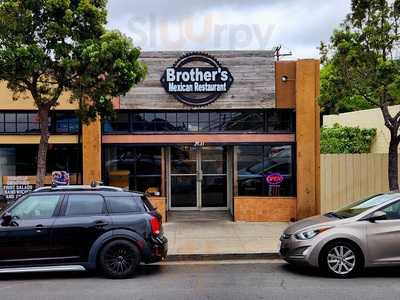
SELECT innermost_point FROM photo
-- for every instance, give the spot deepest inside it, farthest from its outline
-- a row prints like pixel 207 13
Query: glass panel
pixel 193 121
pixel 182 121
pixel 280 121
pixel 80 205
pixel 265 171
pixel 22 117
pixel 183 191
pixel 204 122
pixel 10 117
pixel 171 121
pixel 120 205
pixel 136 168
pixel 10 127
pixel 36 207
pixel 22 127
pixel 183 160
pixel 214 192
pixel 119 124
pixel 213 160
pixel 250 177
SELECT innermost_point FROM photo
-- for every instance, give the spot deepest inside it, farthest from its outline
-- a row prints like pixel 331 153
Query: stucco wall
pixel 371 118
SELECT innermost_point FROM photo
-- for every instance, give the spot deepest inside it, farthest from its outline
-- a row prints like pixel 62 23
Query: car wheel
pixel 341 259
pixel 118 259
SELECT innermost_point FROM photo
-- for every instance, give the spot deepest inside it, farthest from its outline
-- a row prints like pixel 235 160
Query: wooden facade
pixel 253 72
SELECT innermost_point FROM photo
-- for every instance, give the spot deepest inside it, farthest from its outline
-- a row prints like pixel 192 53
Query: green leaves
pixel 360 70
pixel 348 140
pixel 51 46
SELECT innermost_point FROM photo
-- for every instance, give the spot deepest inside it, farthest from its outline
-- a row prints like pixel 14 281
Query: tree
pixel 362 69
pixel 49 47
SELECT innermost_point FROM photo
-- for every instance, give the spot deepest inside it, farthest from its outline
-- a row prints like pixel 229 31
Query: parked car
pixel 342 243
pixel 100 227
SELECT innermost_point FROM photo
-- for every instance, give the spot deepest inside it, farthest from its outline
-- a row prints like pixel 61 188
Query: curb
pixel 216 257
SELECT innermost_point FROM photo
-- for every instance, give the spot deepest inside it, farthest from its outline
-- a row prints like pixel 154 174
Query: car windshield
pixel 358 207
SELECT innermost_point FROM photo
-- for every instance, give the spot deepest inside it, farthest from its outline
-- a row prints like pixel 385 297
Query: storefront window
pixel 251 121
pixel 266 170
pixel 28 122
pixel 136 168
pixel 19 163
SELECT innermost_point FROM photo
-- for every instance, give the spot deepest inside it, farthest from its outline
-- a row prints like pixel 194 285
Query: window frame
pixel 30 125
pixel 63 211
pixel 186 115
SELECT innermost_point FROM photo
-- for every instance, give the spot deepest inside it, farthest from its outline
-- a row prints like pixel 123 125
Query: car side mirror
pixel 377 216
pixel 7 218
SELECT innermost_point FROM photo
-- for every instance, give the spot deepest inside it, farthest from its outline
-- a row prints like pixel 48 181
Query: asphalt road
pixel 230 280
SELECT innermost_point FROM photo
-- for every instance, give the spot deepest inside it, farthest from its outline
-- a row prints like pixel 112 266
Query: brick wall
pixel 260 209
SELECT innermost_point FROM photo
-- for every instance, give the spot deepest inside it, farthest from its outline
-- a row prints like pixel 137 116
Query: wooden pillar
pixel 91 152
pixel 307 136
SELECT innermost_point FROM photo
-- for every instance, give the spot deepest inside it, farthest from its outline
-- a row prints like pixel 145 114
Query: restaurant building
pixel 233 131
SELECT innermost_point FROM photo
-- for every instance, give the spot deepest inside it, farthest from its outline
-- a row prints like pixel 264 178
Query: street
pixel 204 280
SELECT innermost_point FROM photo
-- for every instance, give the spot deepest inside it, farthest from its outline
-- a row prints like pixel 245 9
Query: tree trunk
pixel 393 163
pixel 43 146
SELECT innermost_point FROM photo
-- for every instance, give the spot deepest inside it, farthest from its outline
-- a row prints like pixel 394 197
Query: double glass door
pixel 198 177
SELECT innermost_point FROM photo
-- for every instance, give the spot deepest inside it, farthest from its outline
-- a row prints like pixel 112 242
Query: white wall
pixel 371 118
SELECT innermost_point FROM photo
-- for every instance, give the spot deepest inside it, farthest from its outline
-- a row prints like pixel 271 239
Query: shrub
pixel 342 139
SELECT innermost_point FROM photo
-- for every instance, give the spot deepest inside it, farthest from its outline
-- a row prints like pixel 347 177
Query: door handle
pixel 39 228
pixel 100 223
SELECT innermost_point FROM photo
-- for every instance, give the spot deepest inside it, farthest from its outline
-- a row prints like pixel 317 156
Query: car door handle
pixel 39 228
pixel 100 223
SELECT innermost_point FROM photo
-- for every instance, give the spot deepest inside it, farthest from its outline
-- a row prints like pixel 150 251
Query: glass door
pixel 214 177
pixel 184 177
pixel 198 178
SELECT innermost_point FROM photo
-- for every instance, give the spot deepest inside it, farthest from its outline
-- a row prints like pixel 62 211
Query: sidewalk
pixel 218 238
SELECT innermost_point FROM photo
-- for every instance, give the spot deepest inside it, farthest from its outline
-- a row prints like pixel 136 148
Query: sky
pixel 297 25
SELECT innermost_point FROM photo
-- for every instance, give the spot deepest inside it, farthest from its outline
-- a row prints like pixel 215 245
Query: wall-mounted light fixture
pixel 285 79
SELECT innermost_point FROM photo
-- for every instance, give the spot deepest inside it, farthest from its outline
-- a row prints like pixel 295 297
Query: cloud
pixel 235 24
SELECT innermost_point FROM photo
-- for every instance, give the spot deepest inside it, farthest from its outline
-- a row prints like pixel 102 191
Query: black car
pixel 103 228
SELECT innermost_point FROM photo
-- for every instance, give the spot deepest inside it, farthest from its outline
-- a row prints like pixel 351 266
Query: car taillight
pixel 155 225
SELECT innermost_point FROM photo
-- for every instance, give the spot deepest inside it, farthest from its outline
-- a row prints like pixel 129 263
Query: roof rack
pixel 78 188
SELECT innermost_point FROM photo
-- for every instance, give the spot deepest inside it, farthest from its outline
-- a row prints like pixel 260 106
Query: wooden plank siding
pixel 253 72
pixel 346 178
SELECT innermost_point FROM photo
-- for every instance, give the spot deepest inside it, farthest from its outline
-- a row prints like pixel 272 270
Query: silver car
pixel 342 243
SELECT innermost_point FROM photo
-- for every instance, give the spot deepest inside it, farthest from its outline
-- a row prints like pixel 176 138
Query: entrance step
pixel 199 216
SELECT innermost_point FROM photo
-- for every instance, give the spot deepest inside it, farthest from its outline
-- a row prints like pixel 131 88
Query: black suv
pixel 103 228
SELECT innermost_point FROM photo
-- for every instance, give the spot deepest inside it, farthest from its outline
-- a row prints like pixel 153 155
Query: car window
pixel 358 207
pixel 36 207
pixel 82 205
pixel 126 204
pixel 393 211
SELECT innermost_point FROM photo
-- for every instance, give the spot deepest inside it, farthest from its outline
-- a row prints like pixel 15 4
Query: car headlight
pixel 309 234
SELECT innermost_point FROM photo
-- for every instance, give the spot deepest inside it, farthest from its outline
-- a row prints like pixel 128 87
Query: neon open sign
pixel 274 179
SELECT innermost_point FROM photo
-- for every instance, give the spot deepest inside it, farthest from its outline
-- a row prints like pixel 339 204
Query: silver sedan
pixel 342 243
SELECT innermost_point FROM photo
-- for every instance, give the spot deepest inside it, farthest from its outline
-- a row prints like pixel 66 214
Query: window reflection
pixel 28 122
pixel 136 168
pixel 262 121
pixel 265 171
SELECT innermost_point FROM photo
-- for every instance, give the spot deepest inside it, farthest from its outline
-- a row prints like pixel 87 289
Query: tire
pixel 341 259
pixel 119 259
